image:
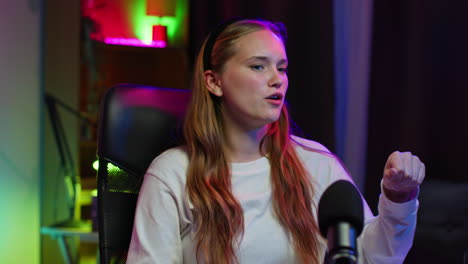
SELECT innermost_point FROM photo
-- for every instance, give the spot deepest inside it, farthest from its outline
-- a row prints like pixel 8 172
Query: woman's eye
pixel 257 67
pixel 283 69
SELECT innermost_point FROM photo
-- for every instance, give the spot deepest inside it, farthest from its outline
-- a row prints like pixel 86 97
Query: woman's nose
pixel 276 80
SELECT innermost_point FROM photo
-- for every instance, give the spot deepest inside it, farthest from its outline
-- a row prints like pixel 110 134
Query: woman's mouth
pixel 276 98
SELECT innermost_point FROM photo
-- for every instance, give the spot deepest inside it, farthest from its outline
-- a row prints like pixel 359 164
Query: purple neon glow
pixel 135 42
pixel 164 99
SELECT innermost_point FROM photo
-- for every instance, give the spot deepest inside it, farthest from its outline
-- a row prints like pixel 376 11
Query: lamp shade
pixel 160 35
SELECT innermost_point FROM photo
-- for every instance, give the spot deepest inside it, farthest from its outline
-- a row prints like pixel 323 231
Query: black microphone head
pixel 341 202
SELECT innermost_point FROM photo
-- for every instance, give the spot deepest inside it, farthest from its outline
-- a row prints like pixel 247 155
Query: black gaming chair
pixel 442 228
pixel 136 124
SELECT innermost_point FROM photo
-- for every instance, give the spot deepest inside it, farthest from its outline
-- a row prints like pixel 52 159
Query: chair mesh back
pixel 136 124
pixel 118 180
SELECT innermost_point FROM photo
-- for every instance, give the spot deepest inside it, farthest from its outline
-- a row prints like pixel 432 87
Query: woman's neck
pixel 243 146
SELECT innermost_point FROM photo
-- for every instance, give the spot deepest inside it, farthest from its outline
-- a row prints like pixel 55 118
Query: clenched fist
pixel 403 173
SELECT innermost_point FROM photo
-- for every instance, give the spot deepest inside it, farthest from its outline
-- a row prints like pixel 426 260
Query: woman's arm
pixel 156 232
pixel 387 238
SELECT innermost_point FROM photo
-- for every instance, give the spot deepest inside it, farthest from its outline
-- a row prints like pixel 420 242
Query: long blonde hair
pixel 219 222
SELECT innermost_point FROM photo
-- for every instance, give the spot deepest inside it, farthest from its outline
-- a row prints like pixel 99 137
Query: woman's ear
pixel 213 83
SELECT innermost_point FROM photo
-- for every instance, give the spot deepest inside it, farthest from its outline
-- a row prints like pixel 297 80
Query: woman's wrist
pixel 400 197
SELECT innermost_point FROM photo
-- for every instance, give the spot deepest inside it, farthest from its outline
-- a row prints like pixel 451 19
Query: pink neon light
pixel 135 42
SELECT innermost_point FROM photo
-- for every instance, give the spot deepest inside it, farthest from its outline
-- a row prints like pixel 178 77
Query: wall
pixel 61 80
pixel 20 126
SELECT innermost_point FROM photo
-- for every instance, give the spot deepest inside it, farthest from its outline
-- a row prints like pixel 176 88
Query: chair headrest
pixel 138 122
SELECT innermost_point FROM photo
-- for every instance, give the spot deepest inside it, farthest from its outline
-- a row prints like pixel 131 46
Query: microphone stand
pixel 343 235
pixel 72 180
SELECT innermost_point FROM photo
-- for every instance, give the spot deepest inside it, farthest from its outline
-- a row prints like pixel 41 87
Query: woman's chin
pixel 271 120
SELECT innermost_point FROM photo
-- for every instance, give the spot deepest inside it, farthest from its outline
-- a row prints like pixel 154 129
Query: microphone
pixel 340 217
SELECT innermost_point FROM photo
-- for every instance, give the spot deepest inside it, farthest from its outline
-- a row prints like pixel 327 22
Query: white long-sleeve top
pixel 163 229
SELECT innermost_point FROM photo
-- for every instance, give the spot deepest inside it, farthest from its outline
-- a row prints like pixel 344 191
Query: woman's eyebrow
pixel 265 59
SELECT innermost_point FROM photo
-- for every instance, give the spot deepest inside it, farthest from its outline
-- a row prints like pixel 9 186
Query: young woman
pixel 243 189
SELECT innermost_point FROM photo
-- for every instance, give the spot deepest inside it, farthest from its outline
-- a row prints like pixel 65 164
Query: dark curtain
pixel 310 53
pixel 418 102
pixel 418 91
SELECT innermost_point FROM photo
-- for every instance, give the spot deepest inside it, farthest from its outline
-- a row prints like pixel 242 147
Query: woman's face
pixel 254 81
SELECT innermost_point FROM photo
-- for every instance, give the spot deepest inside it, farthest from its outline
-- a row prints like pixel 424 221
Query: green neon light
pixel 110 166
pixel 143 24
pixel 171 23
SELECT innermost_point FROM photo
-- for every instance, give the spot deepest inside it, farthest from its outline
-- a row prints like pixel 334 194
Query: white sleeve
pixel 156 231
pixel 387 238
